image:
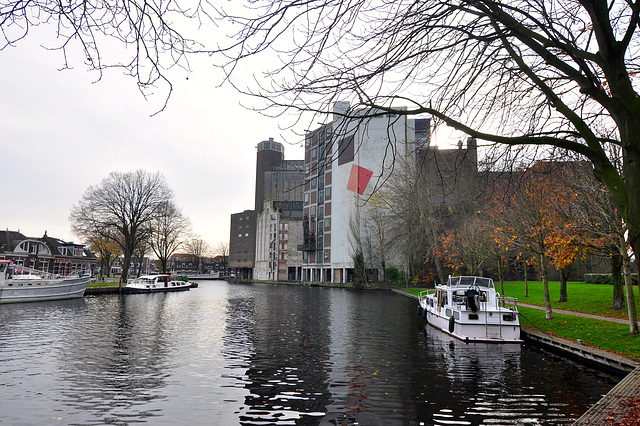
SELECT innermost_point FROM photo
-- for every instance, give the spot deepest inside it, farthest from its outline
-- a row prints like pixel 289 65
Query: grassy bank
pixel 594 299
pixel 587 298
pixel 103 284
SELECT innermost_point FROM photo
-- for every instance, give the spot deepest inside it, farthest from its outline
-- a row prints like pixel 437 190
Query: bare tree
pixel 89 27
pixel 168 231
pixel 536 72
pixel 543 73
pixel 222 249
pixel 121 209
pixel 197 249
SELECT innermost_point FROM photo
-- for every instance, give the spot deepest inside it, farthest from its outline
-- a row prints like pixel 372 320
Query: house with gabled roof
pixel 46 253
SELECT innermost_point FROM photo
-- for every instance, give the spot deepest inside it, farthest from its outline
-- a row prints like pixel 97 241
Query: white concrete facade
pixel 333 212
pixel 278 235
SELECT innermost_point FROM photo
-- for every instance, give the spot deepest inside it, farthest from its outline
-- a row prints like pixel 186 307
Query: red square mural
pixel 359 179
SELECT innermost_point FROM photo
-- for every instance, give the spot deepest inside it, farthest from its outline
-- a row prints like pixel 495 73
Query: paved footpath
pixel 578 314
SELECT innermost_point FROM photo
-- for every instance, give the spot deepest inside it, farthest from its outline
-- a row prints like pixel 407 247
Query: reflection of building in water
pixel 287 374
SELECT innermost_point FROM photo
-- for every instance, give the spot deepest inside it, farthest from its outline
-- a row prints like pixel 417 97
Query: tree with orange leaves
pixel 530 215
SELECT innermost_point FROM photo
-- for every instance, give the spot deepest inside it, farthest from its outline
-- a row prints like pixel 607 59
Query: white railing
pixel 508 302
pixel 44 275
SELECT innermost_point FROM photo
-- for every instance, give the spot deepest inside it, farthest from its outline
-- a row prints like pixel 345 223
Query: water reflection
pixel 121 376
pixel 287 371
pixel 268 354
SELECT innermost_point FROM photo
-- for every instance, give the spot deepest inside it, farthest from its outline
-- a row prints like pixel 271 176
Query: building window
pixel 327 223
pixel 345 149
pixel 313 182
pixel 320 196
pixel 239 235
pixel 314 152
pixel 320 212
pixel 313 210
pixel 246 234
pixel 306 197
pixel 327 192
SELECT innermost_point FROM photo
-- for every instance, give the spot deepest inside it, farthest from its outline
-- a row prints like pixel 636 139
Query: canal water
pixel 258 354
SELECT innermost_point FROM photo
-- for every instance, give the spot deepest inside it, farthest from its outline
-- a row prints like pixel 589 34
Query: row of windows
pixel 322 194
pixel 320 210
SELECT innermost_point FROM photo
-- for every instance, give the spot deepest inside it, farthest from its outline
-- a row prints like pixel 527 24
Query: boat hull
pixel 482 330
pixel 129 289
pixel 21 291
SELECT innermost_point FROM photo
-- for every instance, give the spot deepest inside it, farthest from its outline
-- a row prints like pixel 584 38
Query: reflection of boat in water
pixel 470 309
pixel 160 283
pixel 487 373
pixel 37 286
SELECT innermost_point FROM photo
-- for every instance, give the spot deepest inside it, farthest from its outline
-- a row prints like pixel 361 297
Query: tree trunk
pixel 564 276
pixel 617 281
pixel 631 173
pixel 125 270
pixel 526 280
pixel 628 285
pixel 439 269
pixel 548 312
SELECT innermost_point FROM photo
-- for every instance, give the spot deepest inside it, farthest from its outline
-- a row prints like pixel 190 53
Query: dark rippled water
pixel 225 354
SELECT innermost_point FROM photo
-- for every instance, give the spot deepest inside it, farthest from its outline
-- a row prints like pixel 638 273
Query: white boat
pixel 156 284
pixel 22 284
pixel 470 309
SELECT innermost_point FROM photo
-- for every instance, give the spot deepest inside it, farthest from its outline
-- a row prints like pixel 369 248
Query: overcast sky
pixel 62 132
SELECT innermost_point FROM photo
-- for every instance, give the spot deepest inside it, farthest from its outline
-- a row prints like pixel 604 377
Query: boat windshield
pixel 471 281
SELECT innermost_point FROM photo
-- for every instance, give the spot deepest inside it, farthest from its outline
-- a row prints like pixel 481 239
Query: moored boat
pixel 470 309
pixel 21 284
pixel 156 284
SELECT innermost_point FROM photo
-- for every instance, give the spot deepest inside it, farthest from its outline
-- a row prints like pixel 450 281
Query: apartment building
pixel 346 161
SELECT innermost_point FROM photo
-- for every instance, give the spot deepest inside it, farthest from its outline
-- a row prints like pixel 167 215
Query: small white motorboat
pixel 156 284
pixel 470 309
pixel 23 284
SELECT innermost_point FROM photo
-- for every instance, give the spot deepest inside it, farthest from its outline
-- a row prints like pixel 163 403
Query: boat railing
pixel 20 270
pixel 508 302
pixel 424 293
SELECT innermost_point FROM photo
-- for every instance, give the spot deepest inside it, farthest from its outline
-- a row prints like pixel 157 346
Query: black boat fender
pixel 452 324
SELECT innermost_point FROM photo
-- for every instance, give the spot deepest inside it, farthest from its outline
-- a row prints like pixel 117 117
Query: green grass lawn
pixel 610 336
pixel 588 298
pixel 594 299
